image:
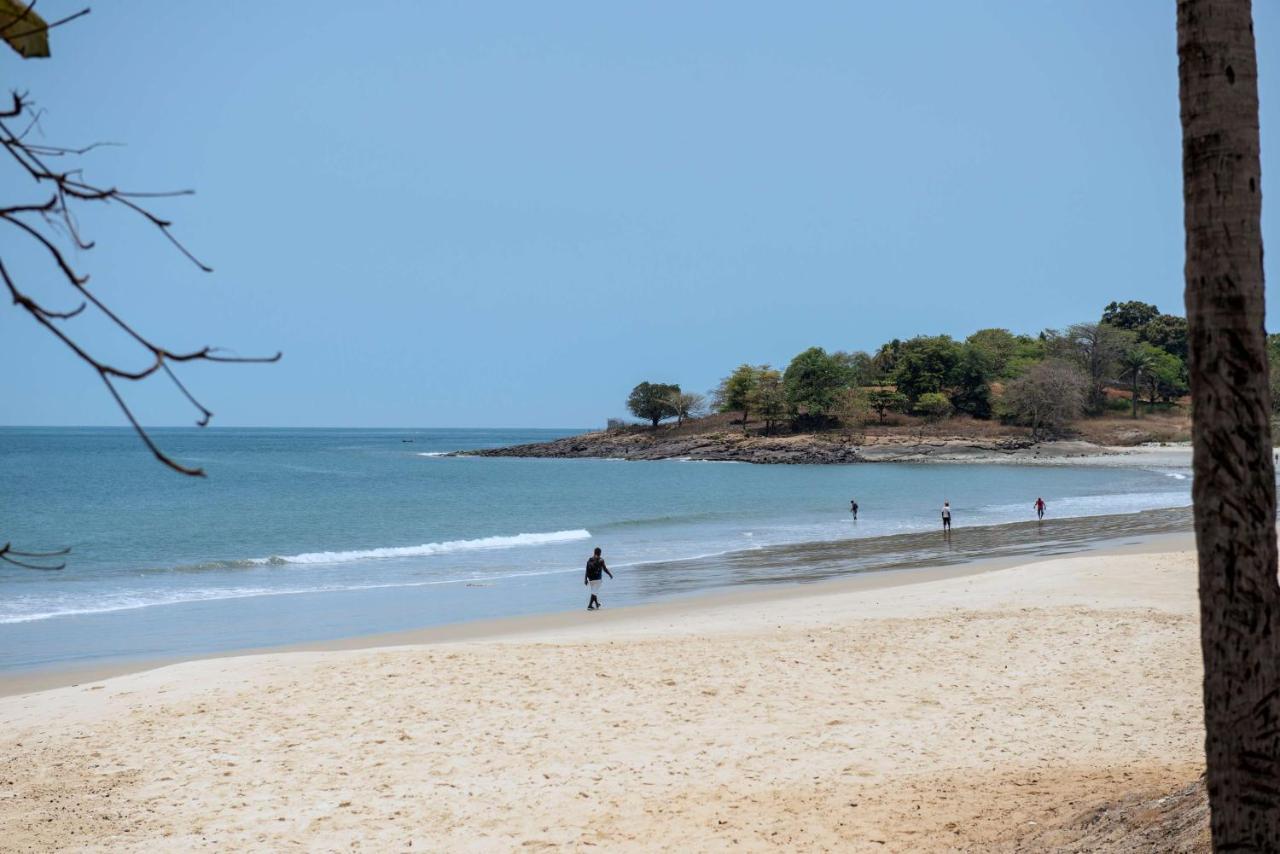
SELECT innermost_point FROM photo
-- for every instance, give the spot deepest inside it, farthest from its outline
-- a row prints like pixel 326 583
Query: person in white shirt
pixel 946 515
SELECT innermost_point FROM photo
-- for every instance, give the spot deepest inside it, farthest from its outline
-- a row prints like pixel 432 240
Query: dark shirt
pixel 595 566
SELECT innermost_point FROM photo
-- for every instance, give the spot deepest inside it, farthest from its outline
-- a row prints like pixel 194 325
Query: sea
pixel 303 535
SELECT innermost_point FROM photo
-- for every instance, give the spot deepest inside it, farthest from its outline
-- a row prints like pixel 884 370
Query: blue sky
pixel 458 214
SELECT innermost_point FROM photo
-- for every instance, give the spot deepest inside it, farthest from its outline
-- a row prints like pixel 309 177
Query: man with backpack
pixel 595 572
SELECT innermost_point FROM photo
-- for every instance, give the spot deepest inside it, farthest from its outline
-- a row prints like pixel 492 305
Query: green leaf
pixel 23 30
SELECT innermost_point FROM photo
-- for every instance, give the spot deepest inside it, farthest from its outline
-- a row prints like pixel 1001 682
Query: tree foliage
pixel 1132 315
pixel 1047 398
pixel 769 398
pixel 852 409
pixel 933 406
pixel 687 404
pixel 1169 333
pixel 883 401
pixel 1136 347
pixel 22 28
pixel 926 364
pixel 1135 362
pixel 653 401
pixel 734 392
pixel 971 383
pixel 1094 348
pixel 1166 375
pixel 1008 355
pixel 812 381
pixel 858 368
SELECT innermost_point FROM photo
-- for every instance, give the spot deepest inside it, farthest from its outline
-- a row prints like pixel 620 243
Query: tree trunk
pixel 1234 487
pixel 1136 379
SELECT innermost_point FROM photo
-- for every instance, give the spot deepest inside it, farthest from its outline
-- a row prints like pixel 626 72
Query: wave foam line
pixel 136 601
pixel 427 549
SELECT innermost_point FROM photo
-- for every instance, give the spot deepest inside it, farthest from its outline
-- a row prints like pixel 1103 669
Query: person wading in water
pixel 595 566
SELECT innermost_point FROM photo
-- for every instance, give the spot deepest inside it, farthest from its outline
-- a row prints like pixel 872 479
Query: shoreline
pixel 1037 705
pixel 524 626
pixel 831 449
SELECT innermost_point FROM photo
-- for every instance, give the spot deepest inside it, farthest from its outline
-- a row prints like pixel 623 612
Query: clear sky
pixel 461 214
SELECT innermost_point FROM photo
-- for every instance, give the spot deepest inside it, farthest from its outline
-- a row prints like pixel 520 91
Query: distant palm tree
pixel 1135 363
pixel 1234 488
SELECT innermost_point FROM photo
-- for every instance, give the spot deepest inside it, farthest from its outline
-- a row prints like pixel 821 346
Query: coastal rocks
pixel 804 449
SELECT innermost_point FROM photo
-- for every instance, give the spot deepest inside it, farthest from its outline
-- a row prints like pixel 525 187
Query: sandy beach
pixel 1050 705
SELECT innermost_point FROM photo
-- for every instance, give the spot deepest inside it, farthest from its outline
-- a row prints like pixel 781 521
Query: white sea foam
pixel 427 549
pixel 133 600
pixel 1094 505
pixel 434 453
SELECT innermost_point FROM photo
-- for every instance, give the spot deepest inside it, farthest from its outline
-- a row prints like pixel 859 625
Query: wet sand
pixel 962 711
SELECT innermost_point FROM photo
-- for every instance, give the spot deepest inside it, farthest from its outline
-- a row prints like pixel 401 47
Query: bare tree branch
pixel 56 218
pixel 8 554
pixel 68 187
pixel 41 29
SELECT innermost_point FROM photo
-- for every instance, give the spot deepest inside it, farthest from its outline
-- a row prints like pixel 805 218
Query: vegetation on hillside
pixel 1045 382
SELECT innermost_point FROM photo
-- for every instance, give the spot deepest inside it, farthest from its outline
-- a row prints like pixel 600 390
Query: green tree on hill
pixel 1132 315
pixel 652 401
pixel 1166 375
pixel 734 392
pixel 769 398
pixel 885 361
pixel 933 406
pixel 971 383
pixel 884 401
pixel 852 411
pixel 1007 354
pixel 812 381
pixel 1134 364
pixel 858 367
pixel 926 364
pixel 1169 333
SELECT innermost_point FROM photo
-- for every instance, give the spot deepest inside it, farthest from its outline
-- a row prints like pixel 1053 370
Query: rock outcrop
pixel 818 448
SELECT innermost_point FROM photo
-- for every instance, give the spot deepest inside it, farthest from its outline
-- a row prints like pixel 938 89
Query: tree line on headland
pixel 1044 381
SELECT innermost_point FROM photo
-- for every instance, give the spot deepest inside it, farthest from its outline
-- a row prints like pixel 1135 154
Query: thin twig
pixel 8 554
pixel 69 187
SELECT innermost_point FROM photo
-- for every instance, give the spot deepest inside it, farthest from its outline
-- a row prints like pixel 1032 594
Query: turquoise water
pixel 306 534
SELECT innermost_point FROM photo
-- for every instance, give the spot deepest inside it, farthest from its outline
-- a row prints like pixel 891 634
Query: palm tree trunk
pixel 1136 378
pixel 1234 487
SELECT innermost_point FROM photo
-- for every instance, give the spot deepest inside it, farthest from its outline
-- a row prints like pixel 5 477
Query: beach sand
pixel 992 711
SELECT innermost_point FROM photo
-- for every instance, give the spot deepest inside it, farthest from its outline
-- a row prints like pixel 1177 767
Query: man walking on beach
pixel 946 515
pixel 853 507
pixel 595 566
pixel 1040 508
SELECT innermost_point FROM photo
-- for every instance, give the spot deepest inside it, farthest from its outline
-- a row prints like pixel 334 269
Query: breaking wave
pixel 426 549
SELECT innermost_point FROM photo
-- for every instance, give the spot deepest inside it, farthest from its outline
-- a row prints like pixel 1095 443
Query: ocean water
pixel 301 535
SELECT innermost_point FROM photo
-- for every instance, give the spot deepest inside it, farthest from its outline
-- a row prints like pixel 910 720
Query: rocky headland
pixel 809 448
